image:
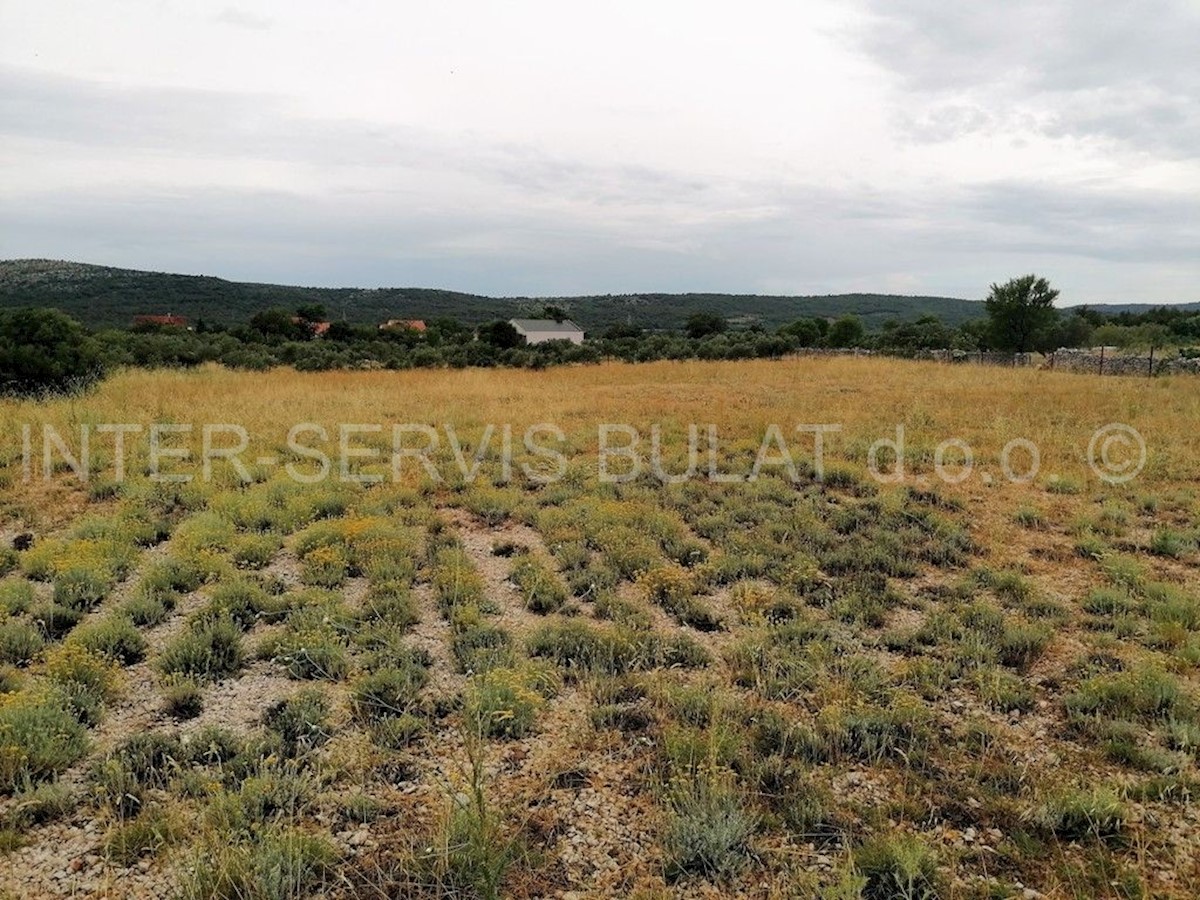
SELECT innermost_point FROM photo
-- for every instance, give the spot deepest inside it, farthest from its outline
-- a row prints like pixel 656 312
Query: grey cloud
pixel 197 124
pixel 1112 70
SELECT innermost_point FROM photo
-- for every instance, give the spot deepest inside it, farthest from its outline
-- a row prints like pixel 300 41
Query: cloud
pixel 1064 68
pixel 240 18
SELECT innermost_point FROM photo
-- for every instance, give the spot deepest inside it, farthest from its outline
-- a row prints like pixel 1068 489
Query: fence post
pixel 1101 360
pixel 1150 374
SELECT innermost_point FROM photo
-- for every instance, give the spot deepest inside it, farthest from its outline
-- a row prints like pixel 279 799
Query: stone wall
pixel 1112 363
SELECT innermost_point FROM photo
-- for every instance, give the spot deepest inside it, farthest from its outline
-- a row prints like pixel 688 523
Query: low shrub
pixel 540 587
pixel 391 691
pixel 504 702
pixel 301 721
pixel 114 636
pixel 708 829
pixel 207 650
pixel 183 698
pixel 20 641
pixel 39 738
pixel 897 868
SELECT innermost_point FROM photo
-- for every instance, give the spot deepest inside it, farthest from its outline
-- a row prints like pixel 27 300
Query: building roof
pixel 178 321
pixel 318 328
pixel 546 325
pixel 410 324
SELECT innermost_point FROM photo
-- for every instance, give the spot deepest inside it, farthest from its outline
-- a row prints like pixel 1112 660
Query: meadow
pixel 812 682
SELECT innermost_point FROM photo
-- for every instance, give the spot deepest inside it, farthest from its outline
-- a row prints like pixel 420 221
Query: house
pixel 168 321
pixel 417 325
pixel 538 331
pixel 318 328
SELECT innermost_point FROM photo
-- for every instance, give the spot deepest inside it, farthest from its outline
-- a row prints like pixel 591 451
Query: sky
pixel 541 147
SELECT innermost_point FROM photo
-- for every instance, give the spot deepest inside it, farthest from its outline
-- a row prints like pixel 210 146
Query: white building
pixel 538 331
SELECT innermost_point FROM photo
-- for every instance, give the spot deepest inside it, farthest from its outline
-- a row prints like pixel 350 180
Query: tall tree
pixel 1019 311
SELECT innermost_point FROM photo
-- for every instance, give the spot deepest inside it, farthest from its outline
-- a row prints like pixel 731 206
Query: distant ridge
pixel 103 296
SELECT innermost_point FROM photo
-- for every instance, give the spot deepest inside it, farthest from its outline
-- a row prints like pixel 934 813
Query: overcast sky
pixel 551 147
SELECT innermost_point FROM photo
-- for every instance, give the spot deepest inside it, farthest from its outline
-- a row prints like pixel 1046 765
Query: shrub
pixel 207 650
pixel 54 620
pixel 145 610
pixel 504 702
pixel 708 829
pixel 87 679
pixel 240 599
pixel 391 602
pixel 316 653
pixel 540 587
pixel 39 738
pixel 480 647
pixel 277 863
pixel 897 868
pixel 115 636
pixel 127 842
pixel 455 581
pixel 391 691
pixel 16 596
pixel 255 551
pixel 325 567
pixel 301 721
pixel 1169 542
pixel 81 588
pixel 20 641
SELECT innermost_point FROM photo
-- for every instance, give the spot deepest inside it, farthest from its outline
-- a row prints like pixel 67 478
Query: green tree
pixel 1019 312
pixel 501 335
pixel 806 332
pixel 43 350
pixel 701 325
pixel 846 331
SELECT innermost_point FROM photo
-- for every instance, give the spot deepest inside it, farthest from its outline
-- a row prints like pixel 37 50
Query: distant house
pixel 538 331
pixel 160 321
pixel 318 328
pixel 403 325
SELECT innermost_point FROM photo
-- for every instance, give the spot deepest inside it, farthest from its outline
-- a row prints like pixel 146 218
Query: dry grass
pixel 486 688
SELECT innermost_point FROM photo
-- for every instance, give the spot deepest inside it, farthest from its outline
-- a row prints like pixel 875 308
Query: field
pixel 808 683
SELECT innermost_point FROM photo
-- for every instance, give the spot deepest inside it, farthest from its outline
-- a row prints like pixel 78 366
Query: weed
pixel 897 868
pixel 127 842
pixel 1075 814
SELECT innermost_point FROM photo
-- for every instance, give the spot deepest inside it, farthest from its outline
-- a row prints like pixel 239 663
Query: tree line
pixel 43 349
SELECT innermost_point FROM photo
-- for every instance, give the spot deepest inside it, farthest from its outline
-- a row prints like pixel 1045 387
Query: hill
pixel 102 296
